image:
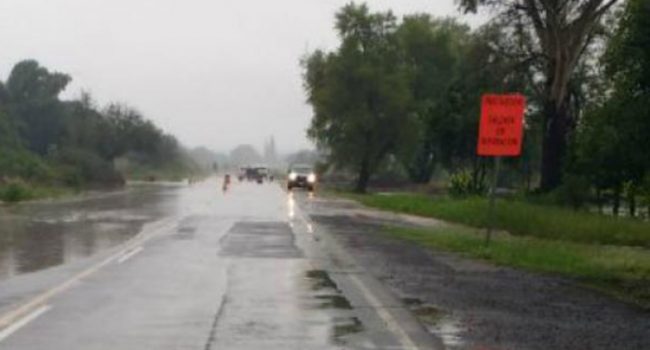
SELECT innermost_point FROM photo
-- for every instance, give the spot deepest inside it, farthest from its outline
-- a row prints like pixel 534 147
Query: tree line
pixel 406 92
pixel 47 140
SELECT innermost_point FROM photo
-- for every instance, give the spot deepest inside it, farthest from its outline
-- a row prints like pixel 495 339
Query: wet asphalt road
pixel 187 267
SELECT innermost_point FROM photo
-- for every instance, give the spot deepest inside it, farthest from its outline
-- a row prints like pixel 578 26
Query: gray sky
pixel 212 72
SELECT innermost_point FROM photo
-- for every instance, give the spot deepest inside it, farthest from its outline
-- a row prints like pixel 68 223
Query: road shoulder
pixel 468 303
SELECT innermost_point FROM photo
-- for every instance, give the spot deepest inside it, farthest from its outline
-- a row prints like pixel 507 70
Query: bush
pixel 463 184
pixel 575 191
pixel 15 191
pixel 79 168
pixel 23 164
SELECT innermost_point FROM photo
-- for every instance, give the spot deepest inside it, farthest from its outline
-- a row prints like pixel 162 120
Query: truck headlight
pixel 311 178
pixel 292 176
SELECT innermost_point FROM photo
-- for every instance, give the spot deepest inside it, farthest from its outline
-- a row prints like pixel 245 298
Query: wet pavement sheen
pixel 35 236
pixel 184 267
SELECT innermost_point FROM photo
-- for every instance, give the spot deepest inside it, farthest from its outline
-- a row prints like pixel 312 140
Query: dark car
pixel 301 176
pixel 254 174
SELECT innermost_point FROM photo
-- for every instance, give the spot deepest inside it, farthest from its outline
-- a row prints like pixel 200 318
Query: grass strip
pixel 623 272
pixel 519 218
pixel 18 192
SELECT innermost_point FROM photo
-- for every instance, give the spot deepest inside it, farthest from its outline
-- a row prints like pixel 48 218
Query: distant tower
pixel 270 153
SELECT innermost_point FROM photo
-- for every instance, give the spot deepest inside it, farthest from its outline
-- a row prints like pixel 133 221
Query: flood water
pixel 35 236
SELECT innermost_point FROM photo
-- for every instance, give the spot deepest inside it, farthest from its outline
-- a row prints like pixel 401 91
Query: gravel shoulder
pixel 470 304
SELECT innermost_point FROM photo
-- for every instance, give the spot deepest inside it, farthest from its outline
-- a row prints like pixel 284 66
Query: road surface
pixel 188 267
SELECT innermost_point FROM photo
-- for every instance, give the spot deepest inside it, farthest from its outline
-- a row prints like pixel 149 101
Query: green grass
pixel 19 191
pixel 519 218
pixel 620 271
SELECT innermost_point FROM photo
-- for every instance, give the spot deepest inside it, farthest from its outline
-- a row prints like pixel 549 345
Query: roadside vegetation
pixel 400 96
pixel 17 191
pixel 396 107
pixel 50 146
pixel 519 218
pixel 623 272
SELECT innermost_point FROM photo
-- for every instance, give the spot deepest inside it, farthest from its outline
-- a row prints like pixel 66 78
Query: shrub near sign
pixel 501 127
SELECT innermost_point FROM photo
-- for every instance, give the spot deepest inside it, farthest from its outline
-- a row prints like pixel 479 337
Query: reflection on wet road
pixel 188 267
pixel 41 235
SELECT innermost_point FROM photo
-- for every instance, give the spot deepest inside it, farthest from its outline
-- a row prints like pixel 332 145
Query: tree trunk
pixel 617 200
pixel 363 176
pixel 475 173
pixel 554 145
pixel 421 168
pixel 599 200
pixel 631 201
pixel 527 175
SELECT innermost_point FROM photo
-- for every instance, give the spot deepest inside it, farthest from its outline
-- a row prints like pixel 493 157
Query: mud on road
pixel 475 305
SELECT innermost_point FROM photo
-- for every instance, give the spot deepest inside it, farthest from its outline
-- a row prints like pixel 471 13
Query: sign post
pixel 492 198
pixel 500 134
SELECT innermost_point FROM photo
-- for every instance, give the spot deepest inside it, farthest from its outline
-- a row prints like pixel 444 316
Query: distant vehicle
pixel 263 172
pixel 257 173
pixel 242 174
pixel 301 176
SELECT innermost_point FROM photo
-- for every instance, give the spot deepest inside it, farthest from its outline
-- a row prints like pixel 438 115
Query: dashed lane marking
pixel 129 255
pixel 5 333
pixel 14 316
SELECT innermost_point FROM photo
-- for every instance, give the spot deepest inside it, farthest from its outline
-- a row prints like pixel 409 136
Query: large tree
pixel 360 93
pixel 561 32
pixel 433 49
pixel 33 93
pixel 616 129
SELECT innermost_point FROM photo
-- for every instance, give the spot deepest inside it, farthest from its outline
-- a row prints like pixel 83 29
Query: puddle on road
pixel 429 315
pixel 345 327
pixel 185 233
pixel 331 297
pixel 412 302
pixel 320 280
pixel 438 322
pixel 328 297
pixel 260 239
pixel 333 302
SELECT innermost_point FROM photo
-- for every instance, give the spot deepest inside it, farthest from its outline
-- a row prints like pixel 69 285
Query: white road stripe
pixel 9 318
pixel 129 254
pixel 5 333
pixel 389 320
pixel 387 317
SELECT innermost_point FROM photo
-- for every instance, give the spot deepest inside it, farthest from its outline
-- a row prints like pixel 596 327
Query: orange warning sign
pixel 501 127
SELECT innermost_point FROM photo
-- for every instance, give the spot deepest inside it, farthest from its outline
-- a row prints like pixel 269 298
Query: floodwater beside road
pixel 244 269
pixel 36 236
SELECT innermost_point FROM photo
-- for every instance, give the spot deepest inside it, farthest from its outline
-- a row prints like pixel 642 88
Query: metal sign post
pixel 500 134
pixel 492 199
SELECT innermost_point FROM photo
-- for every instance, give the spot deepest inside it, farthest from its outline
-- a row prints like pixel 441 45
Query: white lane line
pixel 374 302
pixel 129 255
pixel 5 333
pixel 7 319
pixel 388 319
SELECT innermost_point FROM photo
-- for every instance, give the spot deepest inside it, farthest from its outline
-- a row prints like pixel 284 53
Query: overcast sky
pixel 212 72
